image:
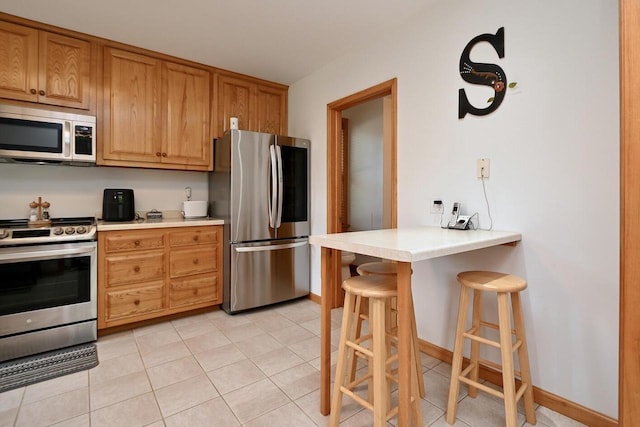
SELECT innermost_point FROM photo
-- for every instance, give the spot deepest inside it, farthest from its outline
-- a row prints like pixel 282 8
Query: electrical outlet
pixel 437 207
pixel 482 169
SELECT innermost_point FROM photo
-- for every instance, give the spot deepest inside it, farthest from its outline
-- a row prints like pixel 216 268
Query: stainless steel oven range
pixel 48 286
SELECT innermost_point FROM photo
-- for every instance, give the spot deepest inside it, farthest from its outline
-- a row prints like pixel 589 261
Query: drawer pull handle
pixel 33 91
pixel 196 261
pixel 136 269
pixel 137 243
pixel 195 292
pixel 196 238
pixel 157 153
pixel 41 93
pixel 136 302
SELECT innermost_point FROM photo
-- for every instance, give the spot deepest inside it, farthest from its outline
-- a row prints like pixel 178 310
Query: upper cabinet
pixel 43 67
pixel 258 105
pixel 156 113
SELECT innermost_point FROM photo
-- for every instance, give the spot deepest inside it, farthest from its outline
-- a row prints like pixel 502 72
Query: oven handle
pixel 42 254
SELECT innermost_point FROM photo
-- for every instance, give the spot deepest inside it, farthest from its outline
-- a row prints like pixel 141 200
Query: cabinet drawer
pixel 133 241
pixel 185 262
pixel 134 268
pixel 135 302
pixel 194 290
pixel 203 235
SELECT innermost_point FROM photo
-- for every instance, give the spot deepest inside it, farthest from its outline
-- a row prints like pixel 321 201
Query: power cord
pixel 484 191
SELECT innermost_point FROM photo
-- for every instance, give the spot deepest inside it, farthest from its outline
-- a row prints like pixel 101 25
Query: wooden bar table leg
pixel 327 255
pixel 404 343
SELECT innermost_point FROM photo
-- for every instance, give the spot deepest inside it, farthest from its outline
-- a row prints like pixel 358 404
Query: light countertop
pixel 414 244
pixel 170 219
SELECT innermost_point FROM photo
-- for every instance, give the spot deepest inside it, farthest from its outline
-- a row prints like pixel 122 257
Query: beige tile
pixel 11 399
pixel 185 394
pixel 243 332
pixel 258 345
pixel 173 372
pixel 255 400
pixel 483 411
pixel 206 341
pixel 195 328
pixel 224 321
pixel 8 416
pixel 153 329
pixel 115 345
pixel 298 381
pixel 310 404
pixel 442 422
pixel 83 420
pixel 273 322
pixel 235 376
pixel 138 411
pixel 116 367
pixel 307 349
pixel 219 357
pixel 164 354
pixel 277 361
pixel 437 389
pixel 190 320
pixel 288 415
pixel 54 409
pixel 152 341
pixel 213 413
pixel 429 362
pixel 292 334
pixel 56 386
pixel 362 418
pixel 430 412
pixel 156 424
pixel 119 389
pixel 547 417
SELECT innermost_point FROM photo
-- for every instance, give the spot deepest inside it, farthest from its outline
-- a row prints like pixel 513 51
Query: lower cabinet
pixel 143 274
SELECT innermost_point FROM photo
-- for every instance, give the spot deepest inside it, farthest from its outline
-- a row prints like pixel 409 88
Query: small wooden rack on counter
pixel 149 273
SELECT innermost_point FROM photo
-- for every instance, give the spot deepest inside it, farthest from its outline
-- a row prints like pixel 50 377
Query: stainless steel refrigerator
pixel 260 187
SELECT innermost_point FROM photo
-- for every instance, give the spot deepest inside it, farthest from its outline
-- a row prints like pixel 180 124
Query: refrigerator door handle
pixel 279 216
pixel 271 247
pixel 274 187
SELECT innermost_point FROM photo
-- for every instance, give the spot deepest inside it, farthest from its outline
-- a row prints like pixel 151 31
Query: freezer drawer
pixel 267 272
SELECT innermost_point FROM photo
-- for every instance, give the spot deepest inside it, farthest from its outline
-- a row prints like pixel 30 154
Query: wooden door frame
pixel 334 138
pixel 629 353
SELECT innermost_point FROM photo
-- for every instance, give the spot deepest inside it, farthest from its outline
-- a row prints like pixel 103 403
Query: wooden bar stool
pixel 391 269
pixel 379 290
pixel 503 285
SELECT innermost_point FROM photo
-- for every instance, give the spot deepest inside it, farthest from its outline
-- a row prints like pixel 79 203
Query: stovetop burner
pixel 18 232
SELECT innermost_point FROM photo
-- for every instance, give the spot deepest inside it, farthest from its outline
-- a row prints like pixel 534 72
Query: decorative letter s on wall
pixel 482 74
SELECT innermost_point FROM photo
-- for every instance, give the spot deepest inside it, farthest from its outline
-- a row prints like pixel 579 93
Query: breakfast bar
pixel 405 246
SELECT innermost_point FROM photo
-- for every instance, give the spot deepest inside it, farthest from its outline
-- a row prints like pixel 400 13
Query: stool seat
pixel 377 268
pixel 371 286
pixel 492 281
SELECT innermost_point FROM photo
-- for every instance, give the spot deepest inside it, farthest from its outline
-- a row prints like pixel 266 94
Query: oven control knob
pixel 3 233
pixel 69 230
pixel 81 229
pixel 58 231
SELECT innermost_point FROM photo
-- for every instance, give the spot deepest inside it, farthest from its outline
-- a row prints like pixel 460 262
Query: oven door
pixel 44 286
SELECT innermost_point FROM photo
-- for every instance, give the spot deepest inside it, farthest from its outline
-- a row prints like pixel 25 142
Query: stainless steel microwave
pixel 46 136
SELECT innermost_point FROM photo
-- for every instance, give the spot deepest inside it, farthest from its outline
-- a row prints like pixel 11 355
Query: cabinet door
pixel 131 125
pixel 18 62
pixel 186 139
pixel 271 115
pixel 65 71
pixel 235 99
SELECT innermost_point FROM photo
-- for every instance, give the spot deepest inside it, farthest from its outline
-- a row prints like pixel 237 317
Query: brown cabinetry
pixel 39 66
pixel 258 105
pixel 156 113
pixel 143 274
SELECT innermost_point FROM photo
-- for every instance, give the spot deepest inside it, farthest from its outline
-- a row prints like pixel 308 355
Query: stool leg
pixel 416 375
pixel 523 358
pixel 416 348
pixel 475 345
pixel 377 327
pixel 456 363
pixel 345 330
pixel 506 351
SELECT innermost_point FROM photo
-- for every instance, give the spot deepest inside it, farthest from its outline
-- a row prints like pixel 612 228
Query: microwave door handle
pixel 274 192
pixel 279 217
pixel 66 135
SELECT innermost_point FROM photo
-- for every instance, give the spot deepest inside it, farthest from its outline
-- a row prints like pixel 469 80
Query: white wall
pixel 554 150
pixel 77 191
pixel 365 165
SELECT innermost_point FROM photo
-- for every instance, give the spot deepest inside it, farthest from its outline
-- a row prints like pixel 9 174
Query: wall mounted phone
pixel 457 221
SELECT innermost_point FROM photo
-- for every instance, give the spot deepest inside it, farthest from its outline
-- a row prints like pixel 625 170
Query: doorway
pixel 387 93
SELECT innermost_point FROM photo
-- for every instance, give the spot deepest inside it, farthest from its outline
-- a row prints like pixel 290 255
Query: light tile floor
pixel 255 369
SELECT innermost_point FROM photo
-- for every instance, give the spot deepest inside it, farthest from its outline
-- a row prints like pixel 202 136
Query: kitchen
pixel 533 123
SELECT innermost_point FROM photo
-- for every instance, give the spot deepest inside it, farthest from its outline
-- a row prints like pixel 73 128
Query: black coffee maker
pixel 118 205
